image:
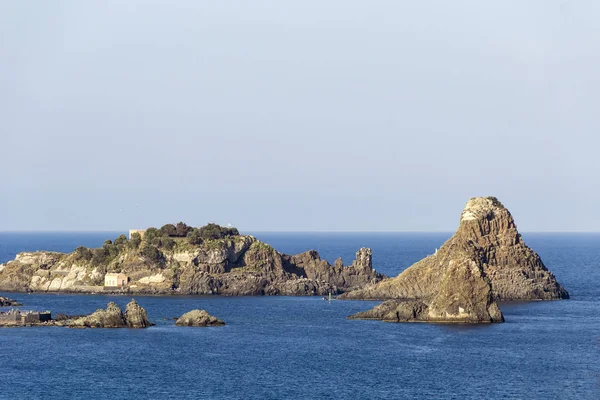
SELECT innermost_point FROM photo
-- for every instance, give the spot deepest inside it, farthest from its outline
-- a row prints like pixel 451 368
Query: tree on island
pixel 135 241
pixel 121 241
pixel 210 231
pixel 169 230
pixel 182 229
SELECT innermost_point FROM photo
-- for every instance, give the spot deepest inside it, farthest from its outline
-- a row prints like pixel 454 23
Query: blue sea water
pixel 304 347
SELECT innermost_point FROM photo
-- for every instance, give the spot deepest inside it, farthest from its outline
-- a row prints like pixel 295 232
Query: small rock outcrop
pixel 113 317
pixel 198 318
pixel 6 302
pixel 135 316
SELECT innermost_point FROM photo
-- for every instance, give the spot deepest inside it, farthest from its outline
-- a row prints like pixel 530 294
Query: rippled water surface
pixel 304 347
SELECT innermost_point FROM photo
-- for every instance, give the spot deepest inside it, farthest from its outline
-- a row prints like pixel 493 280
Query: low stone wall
pixel 17 317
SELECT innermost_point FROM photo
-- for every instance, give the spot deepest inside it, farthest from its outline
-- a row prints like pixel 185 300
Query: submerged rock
pixel 113 317
pixel 198 318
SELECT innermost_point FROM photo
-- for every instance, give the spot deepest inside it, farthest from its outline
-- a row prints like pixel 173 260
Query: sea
pixel 305 347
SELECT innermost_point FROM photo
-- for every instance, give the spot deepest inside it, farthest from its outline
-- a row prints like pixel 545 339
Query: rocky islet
pixel 198 318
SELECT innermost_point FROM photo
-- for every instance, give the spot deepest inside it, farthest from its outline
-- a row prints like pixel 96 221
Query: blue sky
pixel 298 115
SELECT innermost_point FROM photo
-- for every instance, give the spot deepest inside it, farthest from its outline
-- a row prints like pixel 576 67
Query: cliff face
pixel 237 265
pixel 515 271
pixel 487 238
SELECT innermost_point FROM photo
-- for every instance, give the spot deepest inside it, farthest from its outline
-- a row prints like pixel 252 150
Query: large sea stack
pixel 487 236
pixel 485 261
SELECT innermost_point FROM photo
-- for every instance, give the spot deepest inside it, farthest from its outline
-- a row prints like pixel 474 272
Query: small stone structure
pixel 116 280
pixel 141 232
pixel 18 317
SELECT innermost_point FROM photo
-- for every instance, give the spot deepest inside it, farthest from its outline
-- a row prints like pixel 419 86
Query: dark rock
pixel 6 302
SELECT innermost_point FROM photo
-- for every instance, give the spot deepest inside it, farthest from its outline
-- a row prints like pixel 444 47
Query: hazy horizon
pixel 344 116
pixel 252 232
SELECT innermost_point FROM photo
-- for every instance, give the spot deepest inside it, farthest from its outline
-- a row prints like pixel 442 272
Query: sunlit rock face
pixel 485 261
pixel 487 235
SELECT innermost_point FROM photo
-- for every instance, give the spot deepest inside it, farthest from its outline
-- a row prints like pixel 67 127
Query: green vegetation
pixel 260 247
pixel 182 229
pixel 121 240
pixel 210 232
pixel 136 240
pixel 152 254
pixel 83 254
pixel 151 234
pixel 194 237
pixel 169 230
pixel 179 230
pixel 155 243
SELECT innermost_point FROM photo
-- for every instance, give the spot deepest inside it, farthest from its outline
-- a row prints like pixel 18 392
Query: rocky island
pixel 485 261
pixel 179 259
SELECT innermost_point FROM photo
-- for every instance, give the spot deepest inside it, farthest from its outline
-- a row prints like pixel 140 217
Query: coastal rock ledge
pixel 198 318
pixel 485 261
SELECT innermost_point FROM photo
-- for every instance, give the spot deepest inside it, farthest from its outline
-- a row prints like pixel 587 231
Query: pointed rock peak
pixel 136 316
pixel 112 306
pixel 483 216
pixel 364 258
pixel 481 208
pixel 488 239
